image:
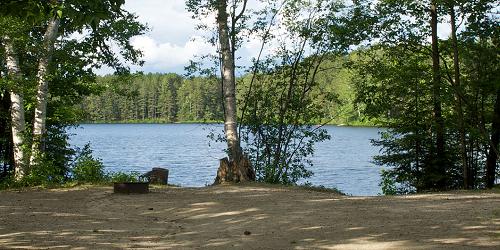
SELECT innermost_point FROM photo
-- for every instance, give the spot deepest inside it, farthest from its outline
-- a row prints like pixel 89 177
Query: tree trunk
pixel 6 152
pixel 230 171
pixel 42 92
pixel 16 109
pixel 459 109
pixel 236 161
pixel 439 160
pixel 492 158
pixel 228 83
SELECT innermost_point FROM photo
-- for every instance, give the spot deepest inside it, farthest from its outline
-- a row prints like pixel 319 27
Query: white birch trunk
pixel 42 92
pixel 16 110
pixel 228 83
pixel 237 168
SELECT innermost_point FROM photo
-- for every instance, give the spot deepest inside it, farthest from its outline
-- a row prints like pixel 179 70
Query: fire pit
pixel 131 187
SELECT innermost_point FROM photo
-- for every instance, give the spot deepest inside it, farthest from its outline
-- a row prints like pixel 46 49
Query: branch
pixel 236 18
pixel 254 73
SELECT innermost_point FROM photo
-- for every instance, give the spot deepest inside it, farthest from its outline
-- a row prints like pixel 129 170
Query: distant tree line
pixel 154 98
pixel 170 97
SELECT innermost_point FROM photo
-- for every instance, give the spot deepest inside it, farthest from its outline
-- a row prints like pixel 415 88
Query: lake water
pixel 343 162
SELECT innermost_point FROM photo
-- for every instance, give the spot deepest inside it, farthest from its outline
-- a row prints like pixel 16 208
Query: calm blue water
pixel 343 162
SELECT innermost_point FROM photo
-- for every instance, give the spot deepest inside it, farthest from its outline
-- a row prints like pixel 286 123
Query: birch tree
pixel 105 25
pixel 49 39
pixel 228 81
pixel 17 107
pixel 229 16
pixel 67 68
pixel 15 22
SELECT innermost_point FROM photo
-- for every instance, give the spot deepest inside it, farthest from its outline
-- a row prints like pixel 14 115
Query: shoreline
pixel 209 123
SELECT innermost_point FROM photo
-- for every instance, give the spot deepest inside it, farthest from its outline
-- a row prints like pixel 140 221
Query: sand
pixel 248 216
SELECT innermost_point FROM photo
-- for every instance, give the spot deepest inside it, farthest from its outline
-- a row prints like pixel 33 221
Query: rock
pixel 157 176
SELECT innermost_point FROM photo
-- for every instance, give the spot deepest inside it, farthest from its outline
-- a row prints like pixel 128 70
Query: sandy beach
pixel 251 216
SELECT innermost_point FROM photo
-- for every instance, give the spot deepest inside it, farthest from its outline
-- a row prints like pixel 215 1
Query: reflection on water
pixel 343 162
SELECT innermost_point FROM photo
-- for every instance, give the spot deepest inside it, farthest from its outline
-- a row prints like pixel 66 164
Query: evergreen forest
pixel 174 98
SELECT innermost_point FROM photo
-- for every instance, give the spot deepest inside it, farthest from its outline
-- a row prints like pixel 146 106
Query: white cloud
pixel 162 57
pixel 173 39
pixel 168 19
pixel 168 45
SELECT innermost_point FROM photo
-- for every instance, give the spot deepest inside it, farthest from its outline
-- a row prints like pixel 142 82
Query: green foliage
pixel 123 177
pixel 277 131
pixel 86 27
pixel 167 98
pixel 301 83
pixel 289 92
pixel 54 164
pixel 86 168
pixel 45 174
pixel 394 83
pixel 393 183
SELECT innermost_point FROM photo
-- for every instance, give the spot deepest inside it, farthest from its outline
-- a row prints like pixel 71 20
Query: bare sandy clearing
pixel 248 217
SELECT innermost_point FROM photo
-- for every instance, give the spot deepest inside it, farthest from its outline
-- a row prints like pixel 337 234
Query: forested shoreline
pixel 174 98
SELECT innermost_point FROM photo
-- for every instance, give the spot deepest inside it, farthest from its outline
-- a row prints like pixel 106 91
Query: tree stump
pixel 233 171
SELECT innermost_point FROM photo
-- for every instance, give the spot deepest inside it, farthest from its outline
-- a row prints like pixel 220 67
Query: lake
pixel 343 162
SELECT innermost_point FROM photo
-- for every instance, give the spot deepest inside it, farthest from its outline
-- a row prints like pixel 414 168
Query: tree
pixel 16 108
pixel 14 28
pixel 6 156
pixel 458 97
pixel 235 168
pixel 493 152
pixel 49 39
pixel 228 79
pixel 406 78
pixel 100 24
pixel 168 96
pixel 101 19
pixel 438 168
pixel 281 98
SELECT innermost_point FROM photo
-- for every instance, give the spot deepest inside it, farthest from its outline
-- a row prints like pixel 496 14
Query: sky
pixel 173 39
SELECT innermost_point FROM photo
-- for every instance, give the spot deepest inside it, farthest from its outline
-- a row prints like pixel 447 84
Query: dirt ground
pixel 245 217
